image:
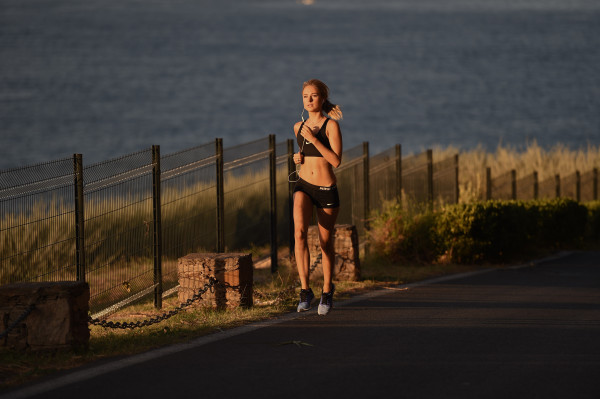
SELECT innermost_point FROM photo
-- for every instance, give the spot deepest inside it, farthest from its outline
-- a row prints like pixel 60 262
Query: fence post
pixel 291 170
pixel 430 179
pixel 557 182
pixel 273 189
pixel 536 185
pixel 456 187
pixel 399 174
pixel 577 186
pixel 220 197
pixel 366 183
pixel 79 217
pixel 488 183
pixel 595 184
pixel 157 226
pixel 513 184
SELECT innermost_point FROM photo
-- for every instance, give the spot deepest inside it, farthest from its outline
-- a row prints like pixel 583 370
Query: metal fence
pixel 424 182
pixel 118 229
pixel 122 224
pixel 577 186
pixel 385 177
pixel 188 206
pixel 417 183
pixel 445 181
pixel 284 165
pixel 37 225
pixel 352 183
pixel 589 186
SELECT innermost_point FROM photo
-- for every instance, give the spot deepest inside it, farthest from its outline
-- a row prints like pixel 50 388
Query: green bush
pixel 593 225
pixel 559 222
pixel 402 235
pixel 501 230
pixel 483 231
pixel 492 230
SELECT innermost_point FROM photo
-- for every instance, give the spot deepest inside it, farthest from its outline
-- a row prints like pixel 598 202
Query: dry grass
pixel 118 232
pixel 556 160
pixel 36 238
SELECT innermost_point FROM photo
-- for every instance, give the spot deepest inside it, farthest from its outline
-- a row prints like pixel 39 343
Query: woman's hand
pixel 298 158
pixel 308 133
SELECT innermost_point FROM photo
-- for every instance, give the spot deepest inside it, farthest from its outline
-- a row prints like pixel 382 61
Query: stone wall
pixel 347 263
pixel 233 269
pixel 58 320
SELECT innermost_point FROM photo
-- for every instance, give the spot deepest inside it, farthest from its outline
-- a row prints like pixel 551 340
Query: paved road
pixel 531 332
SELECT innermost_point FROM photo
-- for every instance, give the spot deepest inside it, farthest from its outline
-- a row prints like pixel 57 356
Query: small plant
pixel 593 227
pixel 403 235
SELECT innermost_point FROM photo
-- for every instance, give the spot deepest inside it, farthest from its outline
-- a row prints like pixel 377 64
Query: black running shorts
pixel 322 197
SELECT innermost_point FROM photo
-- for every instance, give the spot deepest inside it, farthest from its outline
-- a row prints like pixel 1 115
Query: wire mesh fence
pixel 122 224
pixel 119 228
pixel 351 188
pixel 527 187
pixel 37 224
pixel 570 186
pixel 577 186
pixel 188 206
pixel 284 167
pixel 416 183
pixel 589 185
pixel 383 177
pixel 504 186
pixel 445 181
pixel 246 193
pixel 549 188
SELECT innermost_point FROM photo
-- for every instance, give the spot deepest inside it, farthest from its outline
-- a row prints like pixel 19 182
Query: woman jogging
pixel 320 141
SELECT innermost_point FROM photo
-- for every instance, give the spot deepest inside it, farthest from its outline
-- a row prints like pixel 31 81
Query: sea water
pixel 111 77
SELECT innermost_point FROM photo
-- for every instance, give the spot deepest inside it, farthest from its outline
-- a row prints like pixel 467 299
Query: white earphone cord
pixel 301 149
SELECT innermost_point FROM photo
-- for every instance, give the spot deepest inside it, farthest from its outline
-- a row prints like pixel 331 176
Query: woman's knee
pixel 326 243
pixel 300 234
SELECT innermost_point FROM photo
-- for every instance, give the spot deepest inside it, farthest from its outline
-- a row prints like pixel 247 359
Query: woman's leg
pixel 327 217
pixel 302 215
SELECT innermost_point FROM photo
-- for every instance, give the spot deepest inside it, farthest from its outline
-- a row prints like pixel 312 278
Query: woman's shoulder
pixel 333 126
pixel 297 126
pixel 333 123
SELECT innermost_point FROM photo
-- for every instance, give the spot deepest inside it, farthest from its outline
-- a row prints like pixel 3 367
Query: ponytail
pixel 333 110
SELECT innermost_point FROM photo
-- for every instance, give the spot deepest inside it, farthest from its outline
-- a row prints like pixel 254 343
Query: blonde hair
pixel 333 110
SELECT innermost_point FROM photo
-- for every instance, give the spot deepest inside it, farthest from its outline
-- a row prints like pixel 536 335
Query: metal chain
pixel 212 282
pixel 19 320
pixel 317 260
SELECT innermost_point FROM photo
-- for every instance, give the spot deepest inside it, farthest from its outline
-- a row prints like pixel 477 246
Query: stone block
pixel 234 270
pixel 59 319
pixel 347 263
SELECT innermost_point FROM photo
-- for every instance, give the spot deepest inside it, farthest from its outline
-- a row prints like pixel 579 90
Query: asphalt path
pixel 531 331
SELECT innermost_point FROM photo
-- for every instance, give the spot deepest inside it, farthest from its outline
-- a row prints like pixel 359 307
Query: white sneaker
pixel 326 302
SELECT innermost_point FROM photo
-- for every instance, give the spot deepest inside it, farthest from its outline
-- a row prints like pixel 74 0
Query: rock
pixel 59 319
pixel 347 263
pixel 233 269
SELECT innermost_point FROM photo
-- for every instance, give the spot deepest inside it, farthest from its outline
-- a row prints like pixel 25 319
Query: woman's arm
pixel 296 127
pixel 298 157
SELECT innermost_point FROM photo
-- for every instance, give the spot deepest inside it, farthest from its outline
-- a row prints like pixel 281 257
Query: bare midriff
pixel 317 171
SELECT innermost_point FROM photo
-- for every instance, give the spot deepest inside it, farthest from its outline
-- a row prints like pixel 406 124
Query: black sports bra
pixel 309 149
